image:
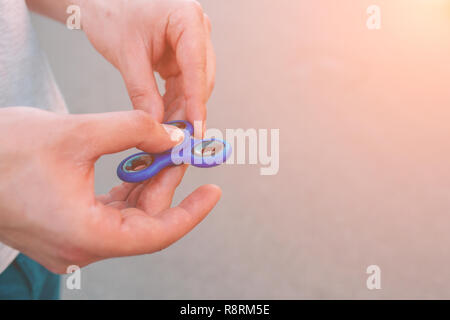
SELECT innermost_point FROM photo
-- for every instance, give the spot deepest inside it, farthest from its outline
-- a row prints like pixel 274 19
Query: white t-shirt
pixel 25 75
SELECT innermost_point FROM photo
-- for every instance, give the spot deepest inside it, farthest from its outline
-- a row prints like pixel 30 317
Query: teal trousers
pixel 25 279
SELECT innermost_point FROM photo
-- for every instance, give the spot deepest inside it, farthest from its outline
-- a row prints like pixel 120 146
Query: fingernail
pixel 175 133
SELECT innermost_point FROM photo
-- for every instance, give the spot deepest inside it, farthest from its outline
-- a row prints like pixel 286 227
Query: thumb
pixel 113 132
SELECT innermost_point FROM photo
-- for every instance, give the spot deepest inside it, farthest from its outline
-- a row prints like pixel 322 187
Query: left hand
pixel 48 209
pixel 171 37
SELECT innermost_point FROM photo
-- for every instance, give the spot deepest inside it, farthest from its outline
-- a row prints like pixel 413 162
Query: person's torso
pixel 25 75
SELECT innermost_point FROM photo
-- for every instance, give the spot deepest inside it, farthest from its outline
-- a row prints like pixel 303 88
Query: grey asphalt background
pixel 364 154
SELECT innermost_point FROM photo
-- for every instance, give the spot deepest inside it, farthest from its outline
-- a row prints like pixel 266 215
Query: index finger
pixel 188 38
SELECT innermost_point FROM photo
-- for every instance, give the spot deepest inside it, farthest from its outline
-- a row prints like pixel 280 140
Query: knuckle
pixel 139 96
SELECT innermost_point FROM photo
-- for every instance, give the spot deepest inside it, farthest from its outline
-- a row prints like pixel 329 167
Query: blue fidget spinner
pixel 200 153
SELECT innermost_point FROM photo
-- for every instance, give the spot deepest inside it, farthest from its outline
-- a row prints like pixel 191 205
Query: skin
pixel 48 208
pixel 139 37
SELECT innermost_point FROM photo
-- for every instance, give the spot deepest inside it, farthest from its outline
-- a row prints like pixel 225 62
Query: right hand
pixel 48 209
pixel 171 37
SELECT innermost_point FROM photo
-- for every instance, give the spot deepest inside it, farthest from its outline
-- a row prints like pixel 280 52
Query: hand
pixel 171 37
pixel 48 209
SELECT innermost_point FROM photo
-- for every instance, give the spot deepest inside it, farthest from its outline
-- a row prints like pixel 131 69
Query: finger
pixel 137 72
pixel 187 37
pixel 178 221
pixel 117 131
pixel 157 195
pixel 174 101
pixel 133 197
pixel 137 233
pixel 176 111
pixel 118 193
pixel 174 91
pixel 210 57
pixel 118 205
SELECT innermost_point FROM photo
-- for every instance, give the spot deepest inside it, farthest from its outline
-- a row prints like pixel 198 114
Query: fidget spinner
pixel 205 153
